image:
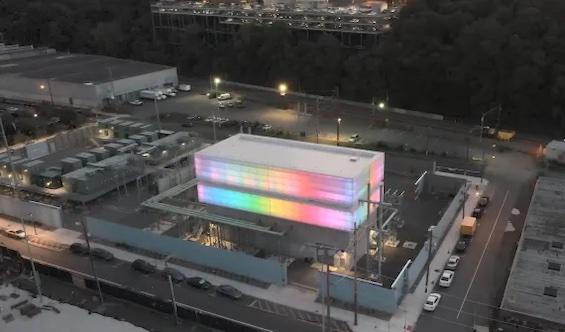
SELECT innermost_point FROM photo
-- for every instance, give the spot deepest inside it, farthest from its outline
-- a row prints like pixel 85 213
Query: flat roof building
pixel 78 79
pixel 300 182
pixel 536 285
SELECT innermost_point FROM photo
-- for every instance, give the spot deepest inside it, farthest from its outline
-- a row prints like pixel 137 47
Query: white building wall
pixel 133 84
pixel 64 93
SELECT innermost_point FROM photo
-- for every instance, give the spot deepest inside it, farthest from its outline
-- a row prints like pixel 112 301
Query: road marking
pixel 483 253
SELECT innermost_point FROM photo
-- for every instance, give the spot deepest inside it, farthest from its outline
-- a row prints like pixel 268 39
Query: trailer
pixel 469 226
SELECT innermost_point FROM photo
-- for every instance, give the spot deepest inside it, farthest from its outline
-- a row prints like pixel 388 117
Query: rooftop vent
pixel 353 159
pixel 553 266
pixel 550 291
pixel 557 245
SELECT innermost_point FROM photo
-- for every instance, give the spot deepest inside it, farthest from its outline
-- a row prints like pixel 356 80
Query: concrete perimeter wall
pixel 370 295
pixel 45 214
pixel 438 184
pixel 265 270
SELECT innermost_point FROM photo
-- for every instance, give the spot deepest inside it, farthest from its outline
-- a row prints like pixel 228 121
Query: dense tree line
pixel 455 57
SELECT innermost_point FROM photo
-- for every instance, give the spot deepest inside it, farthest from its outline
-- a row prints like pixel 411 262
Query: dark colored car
pixel 461 246
pixel 483 201
pixel 143 266
pixel 176 275
pixel 102 254
pixel 187 125
pixel 78 248
pixel 211 94
pixel 199 283
pixel 478 212
pixel 194 118
pixel 229 291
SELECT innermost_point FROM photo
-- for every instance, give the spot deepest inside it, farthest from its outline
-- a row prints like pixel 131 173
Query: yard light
pixel 42 86
pixel 382 105
pixel 283 88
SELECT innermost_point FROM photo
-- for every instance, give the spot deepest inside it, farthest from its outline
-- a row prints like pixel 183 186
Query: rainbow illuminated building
pixel 300 182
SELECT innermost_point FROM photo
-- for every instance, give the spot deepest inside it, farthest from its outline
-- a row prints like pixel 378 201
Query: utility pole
pixel 430 242
pixel 317 120
pixel 355 280
pixel 50 91
pixel 157 113
pixel 16 196
pixel 172 289
pixel 85 233
pixel 379 204
pixel 325 249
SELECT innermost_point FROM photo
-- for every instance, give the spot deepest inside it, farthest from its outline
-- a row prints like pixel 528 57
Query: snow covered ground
pixel 70 318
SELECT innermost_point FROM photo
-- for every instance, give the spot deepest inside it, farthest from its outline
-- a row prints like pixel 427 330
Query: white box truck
pixel 150 94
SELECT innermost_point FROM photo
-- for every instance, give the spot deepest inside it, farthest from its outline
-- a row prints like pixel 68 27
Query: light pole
pixel 497 108
pixel 283 88
pixel 217 82
pixel 48 88
pixel 430 243
pixel 338 125
pixel 85 233
pixel 157 112
pixel 172 289
pixel 32 222
pixel 15 187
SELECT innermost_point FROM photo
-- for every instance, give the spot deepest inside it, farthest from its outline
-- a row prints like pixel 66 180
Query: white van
pixel 224 96
pixel 184 87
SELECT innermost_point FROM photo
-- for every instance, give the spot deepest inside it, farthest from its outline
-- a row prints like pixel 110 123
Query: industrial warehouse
pixel 79 80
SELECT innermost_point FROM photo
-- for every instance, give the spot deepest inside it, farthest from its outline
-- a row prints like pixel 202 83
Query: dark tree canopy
pixel 455 57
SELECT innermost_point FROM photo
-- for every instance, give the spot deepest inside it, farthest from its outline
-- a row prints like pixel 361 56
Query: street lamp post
pixel 172 289
pixel 48 87
pixel 430 243
pixel 15 187
pixel 85 233
pixel 217 82
pixel 338 125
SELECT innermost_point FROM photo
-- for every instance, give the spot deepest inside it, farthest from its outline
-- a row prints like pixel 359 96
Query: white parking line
pixel 483 253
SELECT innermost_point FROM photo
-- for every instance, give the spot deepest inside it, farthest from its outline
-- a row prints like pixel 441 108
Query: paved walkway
pixel 299 298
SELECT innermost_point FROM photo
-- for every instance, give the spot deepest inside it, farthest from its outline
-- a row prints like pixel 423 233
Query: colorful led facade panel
pixel 300 182
pixel 292 183
pixel 276 207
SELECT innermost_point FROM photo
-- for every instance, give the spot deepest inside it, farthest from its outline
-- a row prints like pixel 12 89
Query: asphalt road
pixel 120 272
pixel 478 286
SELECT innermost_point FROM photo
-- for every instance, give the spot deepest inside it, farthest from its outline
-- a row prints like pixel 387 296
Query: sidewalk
pixel 405 317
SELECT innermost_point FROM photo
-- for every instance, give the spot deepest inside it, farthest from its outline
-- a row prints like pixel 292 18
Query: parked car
pixel 78 248
pixel 16 234
pixel 198 282
pixel 229 291
pixel 267 127
pixel 135 102
pixel 143 266
pixel 12 109
pixel 194 118
pixel 176 275
pixel 230 104
pixel 477 212
pixel 187 125
pixel 239 103
pixel 211 94
pixel 354 138
pixel 453 262
pixel 221 105
pixel 461 245
pixel 484 201
pixel 432 302
pixel 446 278
pixel 184 87
pixel 224 96
pixel 102 254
